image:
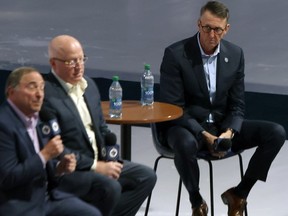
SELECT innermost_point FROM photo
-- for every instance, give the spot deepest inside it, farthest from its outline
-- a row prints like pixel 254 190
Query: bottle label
pixel 116 104
pixel 148 94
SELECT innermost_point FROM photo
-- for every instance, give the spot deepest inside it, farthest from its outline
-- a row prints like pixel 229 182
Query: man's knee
pixel 182 140
pixel 279 134
pixel 151 177
pixel 111 190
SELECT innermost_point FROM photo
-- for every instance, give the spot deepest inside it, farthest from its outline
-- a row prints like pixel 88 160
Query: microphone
pixel 49 127
pixel 111 150
pixel 110 139
pixel 222 144
pixel 111 153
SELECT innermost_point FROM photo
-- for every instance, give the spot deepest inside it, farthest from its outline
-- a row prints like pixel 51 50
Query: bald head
pixel 61 45
pixel 67 58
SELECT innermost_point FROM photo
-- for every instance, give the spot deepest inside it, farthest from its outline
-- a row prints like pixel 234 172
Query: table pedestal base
pixel 126 141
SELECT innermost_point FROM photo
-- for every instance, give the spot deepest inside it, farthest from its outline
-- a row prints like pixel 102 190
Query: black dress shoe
pixel 236 205
pixel 202 210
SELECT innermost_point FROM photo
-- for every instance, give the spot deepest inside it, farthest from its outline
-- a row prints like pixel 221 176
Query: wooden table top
pixel 134 113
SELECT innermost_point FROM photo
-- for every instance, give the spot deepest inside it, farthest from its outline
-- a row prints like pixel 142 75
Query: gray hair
pixel 216 8
pixel 15 77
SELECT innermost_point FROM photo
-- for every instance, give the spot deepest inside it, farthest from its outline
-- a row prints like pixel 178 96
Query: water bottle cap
pixel 115 78
pixel 147 66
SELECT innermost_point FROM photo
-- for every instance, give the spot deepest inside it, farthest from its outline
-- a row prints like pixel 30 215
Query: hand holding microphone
pixel 217 146
pixel 111 150
pixel 222 144
pixel 111 169
pixel 112 165
pixel 53 148
pixel 50 129
pixel 49 126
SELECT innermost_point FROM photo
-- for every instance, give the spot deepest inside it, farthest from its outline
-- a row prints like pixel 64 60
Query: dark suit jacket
pixel 183 83
pixel 22 176
pixel 73 132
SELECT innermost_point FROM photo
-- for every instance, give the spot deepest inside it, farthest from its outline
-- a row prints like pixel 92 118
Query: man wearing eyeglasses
pixel 204 74
pixel 115 188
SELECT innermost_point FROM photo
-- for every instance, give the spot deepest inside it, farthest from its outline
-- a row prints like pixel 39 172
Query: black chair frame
pixel 167 153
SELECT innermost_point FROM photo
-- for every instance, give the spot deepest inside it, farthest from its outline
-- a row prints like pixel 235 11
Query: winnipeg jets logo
pixel 55 126
pixel 113 153
pixel 46 130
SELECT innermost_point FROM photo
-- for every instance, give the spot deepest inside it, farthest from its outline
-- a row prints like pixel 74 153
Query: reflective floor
pixel 266 199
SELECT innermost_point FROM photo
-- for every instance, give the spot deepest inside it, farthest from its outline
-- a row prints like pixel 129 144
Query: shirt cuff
pixel 94 165
pixel 42 159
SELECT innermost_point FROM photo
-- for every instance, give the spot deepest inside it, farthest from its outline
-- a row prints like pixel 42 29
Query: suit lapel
pixel 27 140
pixel 92 110
pixel 24 136
pixel 68 102
pixel 222 61
pixel 191 52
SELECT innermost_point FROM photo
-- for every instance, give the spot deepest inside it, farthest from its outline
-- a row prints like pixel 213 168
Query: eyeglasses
pixel 208 29
pixel 73 62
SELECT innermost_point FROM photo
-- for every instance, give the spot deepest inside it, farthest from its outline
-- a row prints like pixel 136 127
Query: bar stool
pixel 166 152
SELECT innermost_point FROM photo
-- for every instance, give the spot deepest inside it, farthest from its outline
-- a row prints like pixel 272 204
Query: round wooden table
pixel 134 113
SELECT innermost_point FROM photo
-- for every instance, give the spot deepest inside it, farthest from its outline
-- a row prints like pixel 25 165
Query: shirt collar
pixel 28 121
pixel 68 86
pixel 203 54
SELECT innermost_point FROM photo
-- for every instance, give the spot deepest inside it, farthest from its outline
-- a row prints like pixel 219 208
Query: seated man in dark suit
pixel 115 188
pixel 27 165
pixel 204 74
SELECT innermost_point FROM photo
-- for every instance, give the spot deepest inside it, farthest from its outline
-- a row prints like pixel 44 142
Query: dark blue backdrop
pixel 272 107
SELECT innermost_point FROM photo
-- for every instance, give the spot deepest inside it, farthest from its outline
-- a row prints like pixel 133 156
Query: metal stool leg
pixel 241 166
pixel 211 188
pixel 149 197
pixel 178 197
pixel 242 174
pixel 212 182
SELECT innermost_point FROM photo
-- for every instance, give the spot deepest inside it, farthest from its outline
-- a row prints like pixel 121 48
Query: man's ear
pixel 199 24
pixel 227 28
pixel 52 62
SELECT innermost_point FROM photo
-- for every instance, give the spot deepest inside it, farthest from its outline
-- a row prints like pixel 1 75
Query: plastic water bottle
pixel 147 86
pixel 115 97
